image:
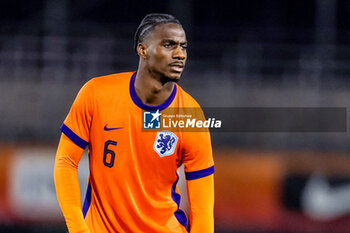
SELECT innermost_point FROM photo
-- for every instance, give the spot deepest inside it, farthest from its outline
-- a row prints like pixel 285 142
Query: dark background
pixel 242 53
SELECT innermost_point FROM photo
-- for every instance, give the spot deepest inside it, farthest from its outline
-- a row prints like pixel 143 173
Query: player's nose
pixel 179 53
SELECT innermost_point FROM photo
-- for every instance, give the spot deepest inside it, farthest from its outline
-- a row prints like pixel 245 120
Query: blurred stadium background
pixel 251 53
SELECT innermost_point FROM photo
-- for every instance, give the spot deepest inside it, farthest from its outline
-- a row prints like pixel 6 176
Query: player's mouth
pixel 177 66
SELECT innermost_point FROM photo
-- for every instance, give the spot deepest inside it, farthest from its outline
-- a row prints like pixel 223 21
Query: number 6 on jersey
pixel 109 152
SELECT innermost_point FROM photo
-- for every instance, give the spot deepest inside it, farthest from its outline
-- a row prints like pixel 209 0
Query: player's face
pixel 166 51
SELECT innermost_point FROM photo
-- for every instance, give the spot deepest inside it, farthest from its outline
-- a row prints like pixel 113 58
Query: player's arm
pixel 67 184
pixel 201 200
pixel 199 169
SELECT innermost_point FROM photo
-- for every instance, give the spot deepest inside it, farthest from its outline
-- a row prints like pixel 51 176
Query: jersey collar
pixel 146 107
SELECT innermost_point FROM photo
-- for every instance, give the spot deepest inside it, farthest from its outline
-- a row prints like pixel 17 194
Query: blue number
pixel 110 152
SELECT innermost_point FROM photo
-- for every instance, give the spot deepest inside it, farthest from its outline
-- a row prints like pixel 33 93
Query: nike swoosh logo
pixel 109 129
pixel 323 202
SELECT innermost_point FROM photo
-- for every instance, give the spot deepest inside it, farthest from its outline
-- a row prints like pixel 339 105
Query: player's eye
pixel 168 45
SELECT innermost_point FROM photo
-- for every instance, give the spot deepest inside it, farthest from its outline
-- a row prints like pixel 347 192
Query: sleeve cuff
pixel 199 174
pixel 72 136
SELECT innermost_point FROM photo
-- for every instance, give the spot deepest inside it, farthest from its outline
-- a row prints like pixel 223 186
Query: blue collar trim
pixel 146 107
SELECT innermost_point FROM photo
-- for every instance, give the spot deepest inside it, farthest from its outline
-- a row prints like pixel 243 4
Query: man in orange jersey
pixel 133 173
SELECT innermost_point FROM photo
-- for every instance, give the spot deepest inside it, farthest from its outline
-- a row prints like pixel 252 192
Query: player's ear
pixel 141 50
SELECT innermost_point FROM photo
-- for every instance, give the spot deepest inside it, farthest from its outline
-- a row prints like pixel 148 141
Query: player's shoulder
pixel 111 79
pixel 106 86
pixel 187 99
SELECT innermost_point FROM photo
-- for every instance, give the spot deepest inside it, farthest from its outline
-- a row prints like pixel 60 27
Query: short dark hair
pixel 149 22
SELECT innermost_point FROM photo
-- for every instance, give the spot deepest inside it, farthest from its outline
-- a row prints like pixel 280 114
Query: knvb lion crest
pixel 165 143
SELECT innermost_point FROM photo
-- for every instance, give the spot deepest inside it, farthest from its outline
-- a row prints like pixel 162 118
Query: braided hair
pixel 149 22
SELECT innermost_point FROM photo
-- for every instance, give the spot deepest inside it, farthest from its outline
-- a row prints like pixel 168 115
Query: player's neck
pixel 150 90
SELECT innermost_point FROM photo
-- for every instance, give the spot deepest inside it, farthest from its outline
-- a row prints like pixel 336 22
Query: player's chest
pixel 122 129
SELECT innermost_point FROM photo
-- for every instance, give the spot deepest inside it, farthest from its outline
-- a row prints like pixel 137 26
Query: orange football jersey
pixel 133 172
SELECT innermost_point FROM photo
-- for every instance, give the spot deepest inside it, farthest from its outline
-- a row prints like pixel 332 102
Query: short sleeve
pixel 197 155
pixel 77 124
